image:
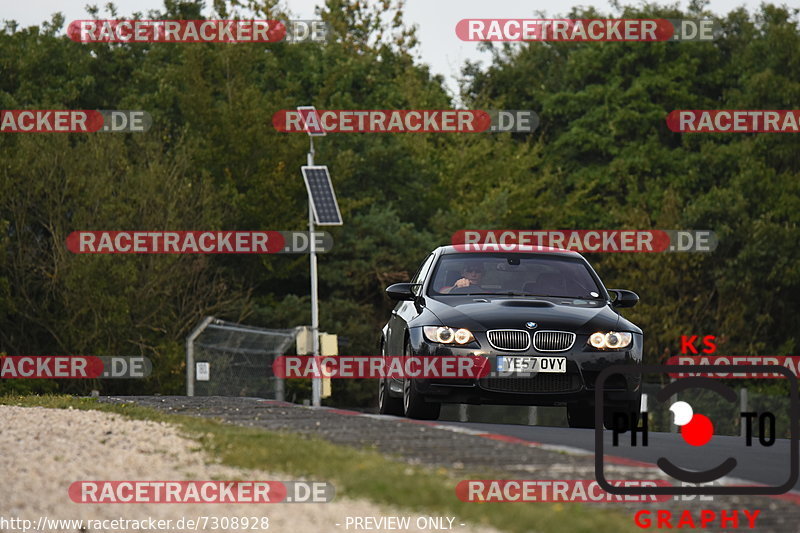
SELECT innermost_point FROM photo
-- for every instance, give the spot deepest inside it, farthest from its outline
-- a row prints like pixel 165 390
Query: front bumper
pixel 577 384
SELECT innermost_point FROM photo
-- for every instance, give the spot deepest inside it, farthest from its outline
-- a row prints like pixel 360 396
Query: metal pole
pixel 316 383
pixel 190 354
pixel 742 408
pixel 533 416
pixel 672 399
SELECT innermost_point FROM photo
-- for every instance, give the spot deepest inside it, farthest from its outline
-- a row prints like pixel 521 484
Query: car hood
pixel 480 313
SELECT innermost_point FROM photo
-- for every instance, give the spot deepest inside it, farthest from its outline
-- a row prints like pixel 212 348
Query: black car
pixel 516 308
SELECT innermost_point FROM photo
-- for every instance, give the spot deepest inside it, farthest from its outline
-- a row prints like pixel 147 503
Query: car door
pixel 404 312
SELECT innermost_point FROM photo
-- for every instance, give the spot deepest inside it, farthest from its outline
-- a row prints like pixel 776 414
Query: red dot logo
pixel 696 429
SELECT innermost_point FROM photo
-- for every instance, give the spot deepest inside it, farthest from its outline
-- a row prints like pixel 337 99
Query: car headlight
pixel 446 335
pixel 613 340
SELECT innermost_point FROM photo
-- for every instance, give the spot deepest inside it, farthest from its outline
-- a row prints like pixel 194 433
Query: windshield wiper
pixel 510 293
pixel 507 293
pixel 485 294
pixel 542 295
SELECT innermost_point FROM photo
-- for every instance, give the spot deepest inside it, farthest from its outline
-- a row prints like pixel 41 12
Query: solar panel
pixel 323 199
pixel 311 122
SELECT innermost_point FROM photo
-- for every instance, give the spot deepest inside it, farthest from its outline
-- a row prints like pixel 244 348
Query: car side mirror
pixel 624 298
pixel 402 291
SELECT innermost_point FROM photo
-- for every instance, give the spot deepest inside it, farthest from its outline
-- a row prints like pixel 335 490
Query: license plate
pixel 556 365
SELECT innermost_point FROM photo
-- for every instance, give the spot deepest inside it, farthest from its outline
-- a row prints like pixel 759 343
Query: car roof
pixel 515 248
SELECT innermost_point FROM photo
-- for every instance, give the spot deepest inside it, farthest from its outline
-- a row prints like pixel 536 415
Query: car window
pixel 419 277
pixel 516 274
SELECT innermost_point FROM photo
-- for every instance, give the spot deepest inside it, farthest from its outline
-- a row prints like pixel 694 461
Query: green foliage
pixel 614 164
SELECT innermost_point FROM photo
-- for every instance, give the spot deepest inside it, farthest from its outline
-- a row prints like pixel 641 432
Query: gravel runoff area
pixel 45 450
pixel 429 445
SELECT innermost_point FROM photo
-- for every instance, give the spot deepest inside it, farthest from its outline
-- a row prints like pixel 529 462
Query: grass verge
pixel 355 473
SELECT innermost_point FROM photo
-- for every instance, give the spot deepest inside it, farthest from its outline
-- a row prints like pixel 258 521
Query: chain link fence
pixel 230 359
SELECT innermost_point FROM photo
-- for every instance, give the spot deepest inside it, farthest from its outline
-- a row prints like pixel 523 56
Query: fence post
pixel 672 399
pixel 190 354
pixel 742 408
pixel 533 416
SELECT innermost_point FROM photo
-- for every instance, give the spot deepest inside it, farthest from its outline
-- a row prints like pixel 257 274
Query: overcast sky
pixel 436 19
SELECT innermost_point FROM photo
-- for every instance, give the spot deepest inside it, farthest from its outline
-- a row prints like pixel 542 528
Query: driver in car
pixel 471 274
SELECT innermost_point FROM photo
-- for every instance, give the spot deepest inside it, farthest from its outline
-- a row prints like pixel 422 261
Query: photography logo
pixel 697 430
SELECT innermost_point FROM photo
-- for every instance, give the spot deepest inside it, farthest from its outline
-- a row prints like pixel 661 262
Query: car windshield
pixel 514 274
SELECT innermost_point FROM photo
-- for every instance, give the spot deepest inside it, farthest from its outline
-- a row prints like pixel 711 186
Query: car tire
pixel 632 408
pixel 580 415
pixel 414 404
pixel 388 405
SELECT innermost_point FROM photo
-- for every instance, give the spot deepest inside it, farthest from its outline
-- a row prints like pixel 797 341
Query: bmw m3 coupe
pixel 541 317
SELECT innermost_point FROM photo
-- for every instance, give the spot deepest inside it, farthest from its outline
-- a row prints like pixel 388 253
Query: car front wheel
pixel 623 415
pixel 580 415
pixel 414 404
pixel 583 415
pixel 387 405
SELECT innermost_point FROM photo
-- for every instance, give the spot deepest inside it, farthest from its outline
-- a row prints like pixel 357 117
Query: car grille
pixel 509 339
pixel 538 383
pixel 553 341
